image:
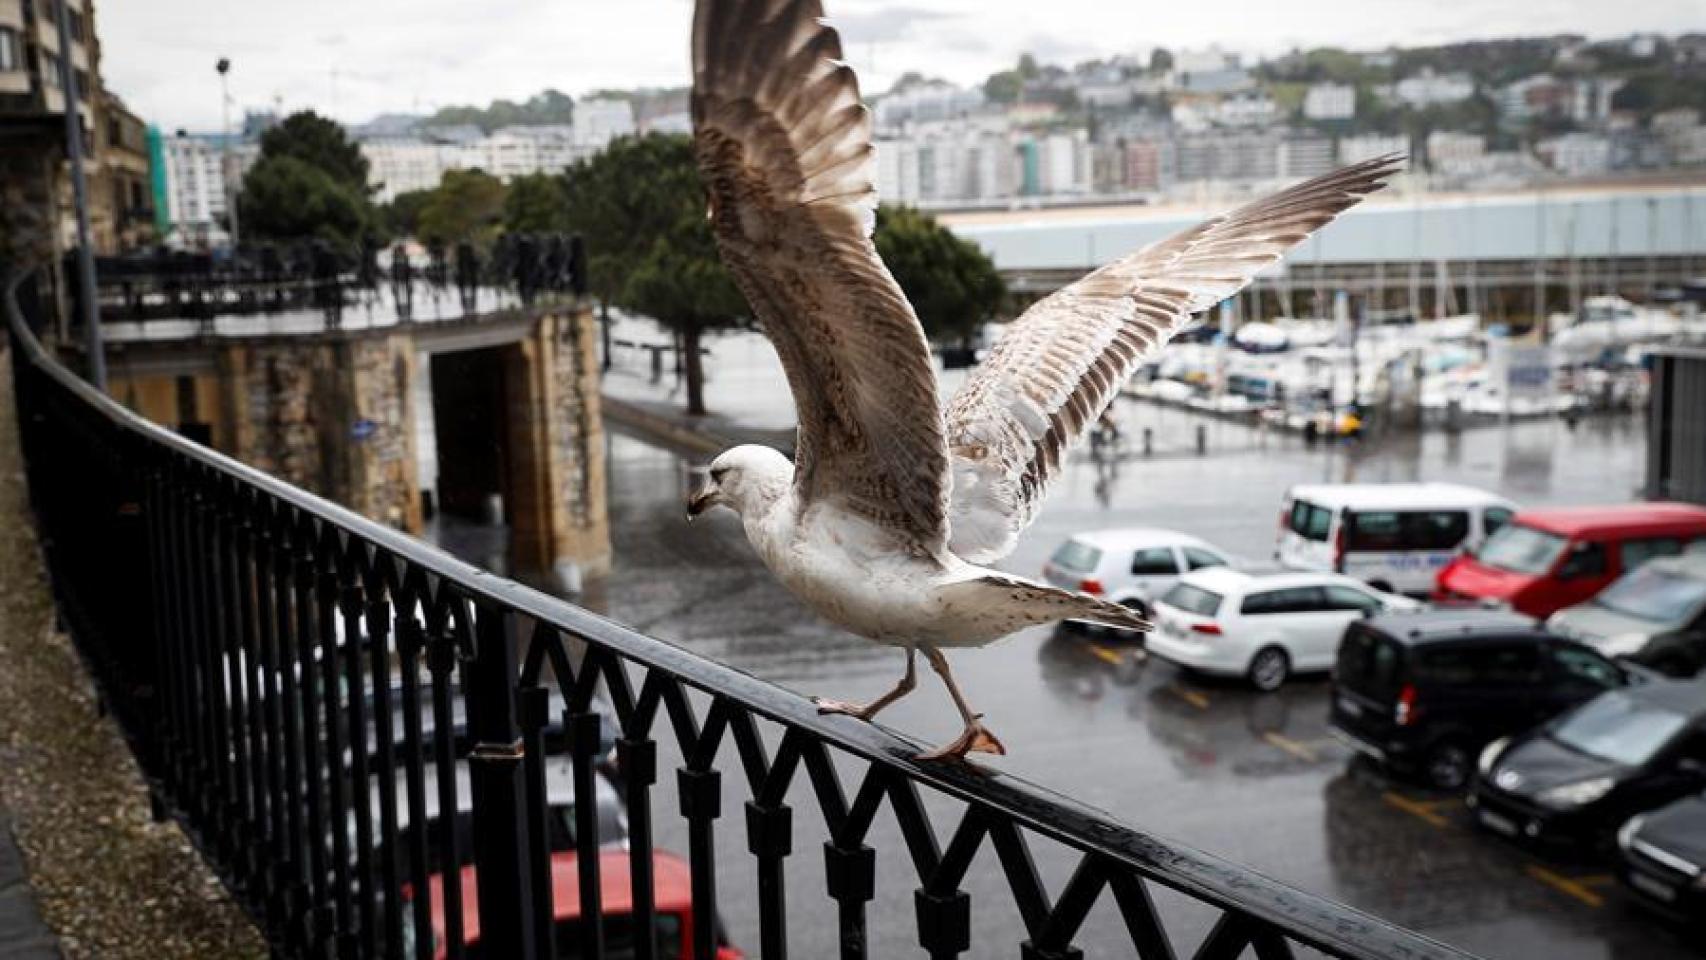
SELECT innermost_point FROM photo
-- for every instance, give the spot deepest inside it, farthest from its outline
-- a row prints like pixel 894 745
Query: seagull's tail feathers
pixel 1058 604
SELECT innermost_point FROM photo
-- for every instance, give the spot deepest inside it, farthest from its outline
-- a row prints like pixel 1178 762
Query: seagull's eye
pixel 718 474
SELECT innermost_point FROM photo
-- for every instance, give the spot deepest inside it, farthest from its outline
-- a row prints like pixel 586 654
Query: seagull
pixel 894 504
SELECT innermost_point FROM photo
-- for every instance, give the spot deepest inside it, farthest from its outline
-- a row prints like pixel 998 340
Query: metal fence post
pixel 500 819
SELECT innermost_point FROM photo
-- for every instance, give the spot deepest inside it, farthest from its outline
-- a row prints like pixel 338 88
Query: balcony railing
pixel 298 683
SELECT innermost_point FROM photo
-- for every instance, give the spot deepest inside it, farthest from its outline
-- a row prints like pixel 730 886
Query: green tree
pixel 952 283
pixel 320 143
pixel 641 210
pixel 1003 87
pixel 536 204
pixel 467 205
pixel 402 216
pixel 547 106
pixel 1028 69
pixel 285 198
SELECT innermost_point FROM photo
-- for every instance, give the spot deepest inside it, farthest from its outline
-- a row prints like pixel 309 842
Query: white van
pixel 1392 536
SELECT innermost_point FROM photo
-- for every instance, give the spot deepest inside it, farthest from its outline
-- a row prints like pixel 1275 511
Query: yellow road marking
pixel 1596 880
pixel 1566 885
pixel 1298 750
pixel 1192 697
pixel 1106 654
pixel 1421 811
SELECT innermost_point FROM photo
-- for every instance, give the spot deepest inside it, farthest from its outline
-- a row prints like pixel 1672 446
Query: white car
pixel 1131 566
pixel 1263 627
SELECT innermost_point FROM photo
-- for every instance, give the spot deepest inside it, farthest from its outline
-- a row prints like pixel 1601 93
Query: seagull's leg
pixel 869 710
pixel 976 738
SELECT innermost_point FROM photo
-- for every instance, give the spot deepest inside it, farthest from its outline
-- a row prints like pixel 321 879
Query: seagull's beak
pixel 705 498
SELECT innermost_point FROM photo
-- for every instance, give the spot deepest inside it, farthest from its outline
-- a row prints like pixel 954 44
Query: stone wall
pixel 382 480
pixel 334 416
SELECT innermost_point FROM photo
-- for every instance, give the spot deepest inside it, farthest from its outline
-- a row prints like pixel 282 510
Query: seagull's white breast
pixel 852 572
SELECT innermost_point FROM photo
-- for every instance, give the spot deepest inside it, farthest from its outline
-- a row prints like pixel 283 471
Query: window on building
pixel 9 58
pixel 83 85
pixel 74 22
pixel 50 71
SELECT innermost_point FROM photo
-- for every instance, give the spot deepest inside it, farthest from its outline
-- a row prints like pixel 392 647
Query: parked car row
pixel 1628 580
pixel 1546 676
pixel 1624 771
pixel 1559 747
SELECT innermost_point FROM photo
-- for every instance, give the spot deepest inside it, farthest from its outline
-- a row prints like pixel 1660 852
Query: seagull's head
pixel 745 479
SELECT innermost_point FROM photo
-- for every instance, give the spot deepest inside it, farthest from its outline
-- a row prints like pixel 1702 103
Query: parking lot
pixel 1256 778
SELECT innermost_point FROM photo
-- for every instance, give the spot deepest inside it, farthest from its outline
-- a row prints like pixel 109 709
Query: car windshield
pixel 1619 728
pixel 1076 555
pixel 1521 549
pixel 1309 521
pixel 1657 596
pixel 1183 596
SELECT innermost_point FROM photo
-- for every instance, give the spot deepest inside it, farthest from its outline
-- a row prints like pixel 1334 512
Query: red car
pixel 672 889
pixel 1545 560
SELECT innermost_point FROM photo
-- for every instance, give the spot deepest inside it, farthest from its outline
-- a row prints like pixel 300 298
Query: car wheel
pixel 1448 765
pixel 1269 668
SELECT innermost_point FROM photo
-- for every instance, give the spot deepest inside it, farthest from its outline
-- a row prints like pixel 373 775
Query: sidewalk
pixel 665 422
pixel 80 857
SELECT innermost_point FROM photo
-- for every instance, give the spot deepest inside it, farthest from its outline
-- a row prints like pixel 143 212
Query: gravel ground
pixel 111 883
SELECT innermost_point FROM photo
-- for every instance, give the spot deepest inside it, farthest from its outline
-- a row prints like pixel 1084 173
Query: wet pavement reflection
pixel 1251 777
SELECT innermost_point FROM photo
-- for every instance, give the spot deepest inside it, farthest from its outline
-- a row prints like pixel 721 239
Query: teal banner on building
pixel 157 173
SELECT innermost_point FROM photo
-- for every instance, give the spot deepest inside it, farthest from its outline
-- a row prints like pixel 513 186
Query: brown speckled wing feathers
pixel 784 148
pixel 1060 365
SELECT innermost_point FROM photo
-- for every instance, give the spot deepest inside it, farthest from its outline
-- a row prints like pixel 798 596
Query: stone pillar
pixel 333 415
pixel 380 452
pixel 559 520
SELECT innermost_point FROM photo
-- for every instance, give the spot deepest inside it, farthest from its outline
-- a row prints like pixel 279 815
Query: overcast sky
pixel 357 58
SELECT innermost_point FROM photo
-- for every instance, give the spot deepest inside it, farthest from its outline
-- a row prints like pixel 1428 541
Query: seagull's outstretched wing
pixel 1059 366
pixel 784 147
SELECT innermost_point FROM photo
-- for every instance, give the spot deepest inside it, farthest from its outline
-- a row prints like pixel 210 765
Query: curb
pixel 665 429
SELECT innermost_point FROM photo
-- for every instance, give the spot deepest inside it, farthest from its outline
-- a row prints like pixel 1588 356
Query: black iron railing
pixel 270 278
pixel 300 683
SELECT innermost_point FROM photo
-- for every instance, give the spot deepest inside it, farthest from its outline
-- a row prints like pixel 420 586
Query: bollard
pixel 1202 439
pixel 1148 441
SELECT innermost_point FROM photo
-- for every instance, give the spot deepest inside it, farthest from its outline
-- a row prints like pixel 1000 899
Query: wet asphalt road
pixel 1253 778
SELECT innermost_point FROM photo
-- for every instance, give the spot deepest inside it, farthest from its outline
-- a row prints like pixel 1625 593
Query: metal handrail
pixel 1260 910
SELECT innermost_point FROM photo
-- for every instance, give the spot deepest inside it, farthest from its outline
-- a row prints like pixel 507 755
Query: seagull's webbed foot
pixel 975 738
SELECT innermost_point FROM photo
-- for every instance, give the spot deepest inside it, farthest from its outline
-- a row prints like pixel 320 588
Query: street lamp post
pixel 80 200
pixel 224 68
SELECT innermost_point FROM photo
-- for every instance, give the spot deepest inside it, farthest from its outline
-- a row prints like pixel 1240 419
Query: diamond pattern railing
pixel 309 692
